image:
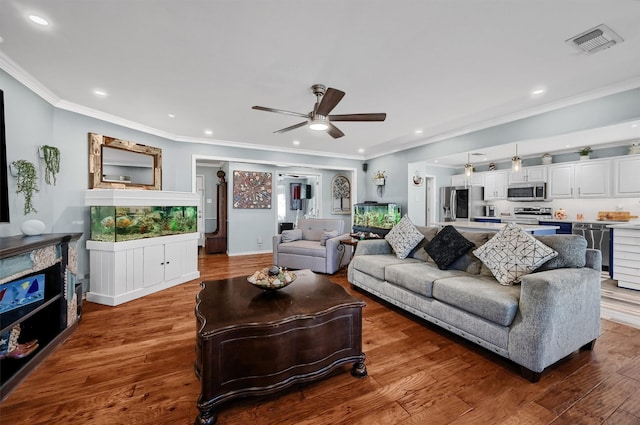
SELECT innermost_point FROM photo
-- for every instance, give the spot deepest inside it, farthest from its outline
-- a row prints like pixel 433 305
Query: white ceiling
pixel 445 67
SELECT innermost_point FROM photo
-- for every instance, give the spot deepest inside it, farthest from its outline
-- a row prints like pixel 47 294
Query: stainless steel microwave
pixel 531 191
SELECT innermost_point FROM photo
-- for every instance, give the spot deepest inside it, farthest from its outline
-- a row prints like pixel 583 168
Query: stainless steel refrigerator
pixel 461 203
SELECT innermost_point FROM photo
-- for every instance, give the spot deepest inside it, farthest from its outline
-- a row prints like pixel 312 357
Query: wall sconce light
pixel 468 168
pixel 516 162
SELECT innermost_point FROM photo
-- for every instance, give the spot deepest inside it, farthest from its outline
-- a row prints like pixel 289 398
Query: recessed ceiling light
pixel 172 116
pixel 361 150
pixel 538 92
pixel 418 131
pixel 296 143
pixel 99 92
pixel 1 39
pixel 435 160
pixel 39 20
pixel 208 132
pixel 632 125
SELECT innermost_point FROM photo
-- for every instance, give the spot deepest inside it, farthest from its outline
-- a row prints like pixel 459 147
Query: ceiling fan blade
pixel 334 131
pixel 293 127
pixel 279 111
pixel 358 117
pixel 329 101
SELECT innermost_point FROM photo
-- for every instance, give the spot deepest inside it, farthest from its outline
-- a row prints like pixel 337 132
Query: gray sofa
pixel 552 313
pixel 308 252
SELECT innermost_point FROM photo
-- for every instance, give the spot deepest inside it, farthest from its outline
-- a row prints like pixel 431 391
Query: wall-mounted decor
pixel 340 195
pixel 120 164
pixel 251 189
pixel 417 179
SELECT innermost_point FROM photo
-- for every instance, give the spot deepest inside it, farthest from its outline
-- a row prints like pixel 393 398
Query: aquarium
pixel 118 224
pixel 372 216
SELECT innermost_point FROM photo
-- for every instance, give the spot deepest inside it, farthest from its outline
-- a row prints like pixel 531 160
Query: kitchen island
pixel 626 254
pixel 476 226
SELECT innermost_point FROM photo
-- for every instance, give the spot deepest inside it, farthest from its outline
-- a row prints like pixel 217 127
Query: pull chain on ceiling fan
pixel 319 118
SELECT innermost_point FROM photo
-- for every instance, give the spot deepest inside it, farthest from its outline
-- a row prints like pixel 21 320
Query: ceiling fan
pixel 319 119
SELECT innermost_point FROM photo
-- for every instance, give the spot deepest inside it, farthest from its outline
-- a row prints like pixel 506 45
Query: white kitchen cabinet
pixel 529 174
pixel 626 176
pixel 586 179
pixel 495 185
pixel 592 179
pixel 124 271
pixel 461 180
pixel 626 256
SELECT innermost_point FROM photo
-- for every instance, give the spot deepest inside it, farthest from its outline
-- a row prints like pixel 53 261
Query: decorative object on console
pixel 634 149
pixel 585 153
pixel 32 227
pixel 546 159
pixel 492 166
pixel 341 195
pixel 271 278
pixel 560 214
pixel 51 157
pixel 403 237
pixel 513 253
pixel 516 162
pixel 252 189
pixel 25 172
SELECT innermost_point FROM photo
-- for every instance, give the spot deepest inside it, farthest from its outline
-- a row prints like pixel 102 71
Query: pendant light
pixel 516 162
pixel 468 168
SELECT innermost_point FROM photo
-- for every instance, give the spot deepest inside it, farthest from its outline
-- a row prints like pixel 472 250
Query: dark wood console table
pixel 254 342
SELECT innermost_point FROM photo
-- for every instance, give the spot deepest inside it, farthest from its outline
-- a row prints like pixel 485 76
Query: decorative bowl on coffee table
pixel 271 278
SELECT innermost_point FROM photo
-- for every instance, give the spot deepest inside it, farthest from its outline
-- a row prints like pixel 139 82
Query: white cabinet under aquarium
pixel 141 241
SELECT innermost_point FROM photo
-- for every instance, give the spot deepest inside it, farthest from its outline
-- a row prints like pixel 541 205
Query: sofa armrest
pixel 337 254
pixel 373 247
pixel 594 259
pixel 558 312
pixel 276 240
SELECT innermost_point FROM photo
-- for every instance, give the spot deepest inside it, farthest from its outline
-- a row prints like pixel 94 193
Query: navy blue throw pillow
pixel 447 246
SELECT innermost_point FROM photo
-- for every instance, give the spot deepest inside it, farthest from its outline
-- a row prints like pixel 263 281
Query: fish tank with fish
pixel 375 217
pixel 118 224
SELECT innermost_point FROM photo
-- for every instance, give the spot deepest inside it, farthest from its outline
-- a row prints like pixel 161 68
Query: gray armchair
pixel 302 248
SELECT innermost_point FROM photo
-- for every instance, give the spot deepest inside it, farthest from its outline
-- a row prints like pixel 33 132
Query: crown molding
pixel 13 69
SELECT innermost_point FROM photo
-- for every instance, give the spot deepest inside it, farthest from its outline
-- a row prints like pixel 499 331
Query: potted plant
pixel 584 153
pixel 378 178
pixel 25 172
pixel 51 157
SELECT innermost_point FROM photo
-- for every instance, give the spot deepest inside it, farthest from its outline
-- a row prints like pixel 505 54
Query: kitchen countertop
pixel 492 227
pixel 568 220
pixel 628 225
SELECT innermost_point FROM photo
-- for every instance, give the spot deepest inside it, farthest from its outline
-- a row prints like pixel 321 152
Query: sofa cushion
pixel 417 277
pixel 312 228
pixel 303 248
pixel 480 295
pixel 468 262
pixel 403 237
pixel 447 246
pixel 418 252
pixel 572 251
pixel 513 253
pixel 374 265
pixel 291 235
pixel 327 235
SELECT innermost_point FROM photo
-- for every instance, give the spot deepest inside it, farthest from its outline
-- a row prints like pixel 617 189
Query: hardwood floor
pixel 133 364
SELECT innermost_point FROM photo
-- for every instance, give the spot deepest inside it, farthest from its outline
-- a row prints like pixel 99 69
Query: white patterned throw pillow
pixel 403 237
pixel 513 253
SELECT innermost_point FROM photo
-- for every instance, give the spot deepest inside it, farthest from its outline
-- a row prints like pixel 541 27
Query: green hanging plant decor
pixel 51 156
pixel 26 182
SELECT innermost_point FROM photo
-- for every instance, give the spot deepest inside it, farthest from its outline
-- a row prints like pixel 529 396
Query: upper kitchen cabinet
pixel 529 174
pixel 476 179
pixel 586 179
pixel 626 176
pixel 495 185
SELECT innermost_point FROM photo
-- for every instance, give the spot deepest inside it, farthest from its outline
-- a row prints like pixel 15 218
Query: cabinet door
pixel 537 174
pixel 495 185
pixel 560 181
pixel 626 176
pixel 458 180
pixel 153 265
pixel 174 257
pixel 592 179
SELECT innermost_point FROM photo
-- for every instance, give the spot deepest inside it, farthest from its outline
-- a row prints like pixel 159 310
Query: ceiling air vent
pixel 595 39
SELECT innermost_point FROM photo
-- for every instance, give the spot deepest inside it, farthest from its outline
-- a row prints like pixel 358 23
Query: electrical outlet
pixel 259 240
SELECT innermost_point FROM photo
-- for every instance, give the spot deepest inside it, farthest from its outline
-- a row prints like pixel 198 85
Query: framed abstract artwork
pixel 252 189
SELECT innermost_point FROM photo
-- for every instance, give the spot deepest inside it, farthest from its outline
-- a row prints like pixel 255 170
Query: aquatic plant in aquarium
pixel 376 215
pixel 118 224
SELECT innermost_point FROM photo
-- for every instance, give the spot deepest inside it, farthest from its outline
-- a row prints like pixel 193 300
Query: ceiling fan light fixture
pixel 319 123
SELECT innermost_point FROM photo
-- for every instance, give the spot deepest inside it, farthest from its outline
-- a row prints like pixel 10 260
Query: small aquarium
pixel 373 217
pixel 118 224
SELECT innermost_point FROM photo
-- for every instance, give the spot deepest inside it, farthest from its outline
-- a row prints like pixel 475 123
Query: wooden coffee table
pixel 255 342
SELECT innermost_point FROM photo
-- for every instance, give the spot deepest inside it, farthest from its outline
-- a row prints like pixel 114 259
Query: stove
pixel 529 215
